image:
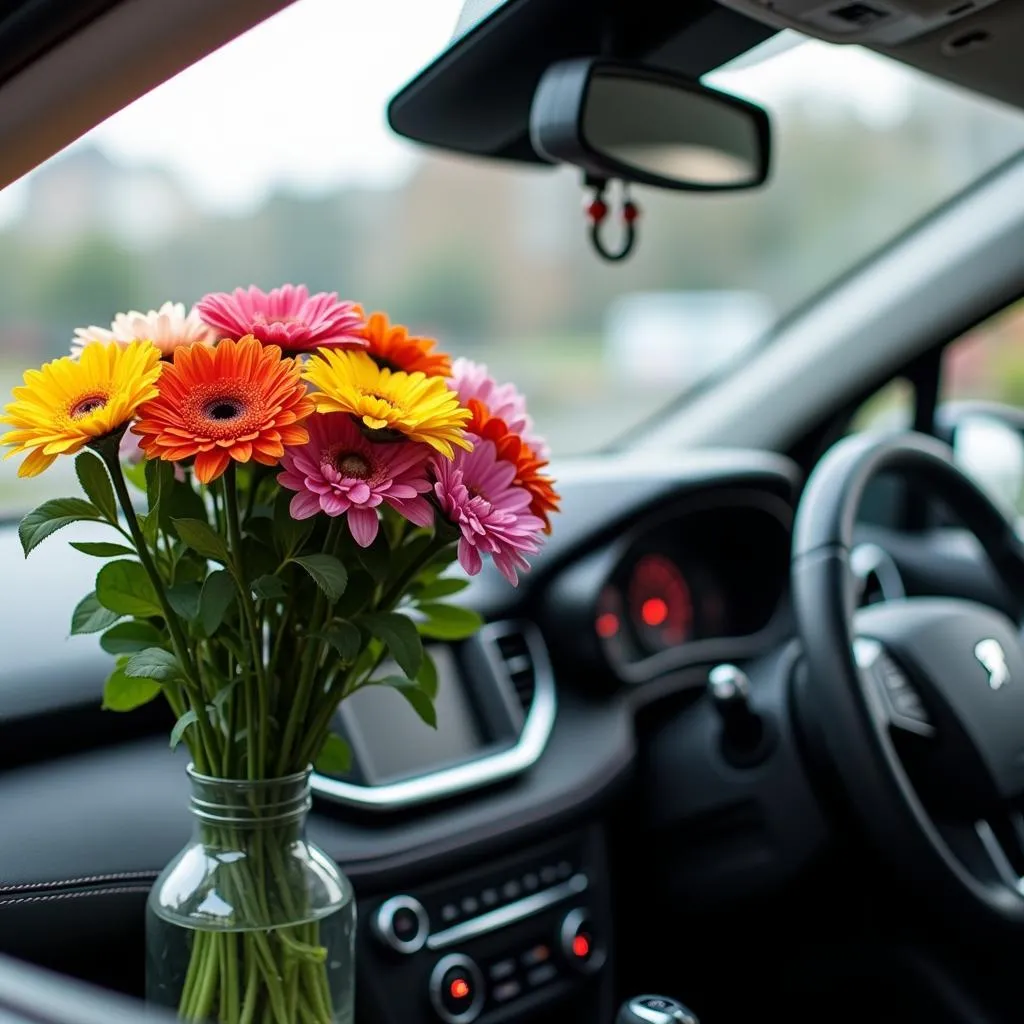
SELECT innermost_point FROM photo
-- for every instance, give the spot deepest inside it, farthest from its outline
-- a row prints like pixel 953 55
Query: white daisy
pixel 167 327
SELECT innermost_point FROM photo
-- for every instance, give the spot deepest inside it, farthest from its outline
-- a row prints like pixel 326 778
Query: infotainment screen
pixel 390 741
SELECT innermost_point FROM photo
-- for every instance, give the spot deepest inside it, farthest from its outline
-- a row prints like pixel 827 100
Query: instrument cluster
pixel 705 581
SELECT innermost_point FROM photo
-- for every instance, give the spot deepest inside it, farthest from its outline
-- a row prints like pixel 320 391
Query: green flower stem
pixel 311 656
pixel 397 590
pixel 207 745
pixel 257 741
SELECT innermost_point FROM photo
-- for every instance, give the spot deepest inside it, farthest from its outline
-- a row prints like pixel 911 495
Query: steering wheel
pixel 918 703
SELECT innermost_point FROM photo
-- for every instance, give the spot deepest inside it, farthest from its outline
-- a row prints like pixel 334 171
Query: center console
pixel 504 940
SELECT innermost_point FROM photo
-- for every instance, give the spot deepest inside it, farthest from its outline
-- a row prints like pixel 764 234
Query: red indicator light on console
pixel 459 988
pixel 654 611
pixel 581 946
pixel 607 625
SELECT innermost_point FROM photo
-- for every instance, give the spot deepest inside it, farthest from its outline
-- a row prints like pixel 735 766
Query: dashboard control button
pixel 579 943
pixel 449 913
pixel 502 969
pixel 402 924
pixel 489 897
pixel 564 870
pixel 505 991
pixel 541 975
pixel 511 890
pixel 470 905
pixel 549 874
pixel 531 883
pixel 456 989
pixel 537 955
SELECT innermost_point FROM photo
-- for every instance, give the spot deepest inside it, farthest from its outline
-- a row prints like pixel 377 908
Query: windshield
pixel 270 161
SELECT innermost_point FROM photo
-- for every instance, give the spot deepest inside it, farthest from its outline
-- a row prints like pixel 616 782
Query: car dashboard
pixel 481 849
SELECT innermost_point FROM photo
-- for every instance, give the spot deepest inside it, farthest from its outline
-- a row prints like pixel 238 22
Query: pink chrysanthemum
pixel 288 316
pixel 339 471
pixel 503 401
pixel 475 492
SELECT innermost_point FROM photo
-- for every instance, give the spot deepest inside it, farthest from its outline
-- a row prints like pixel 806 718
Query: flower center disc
pixel 223 409
pixel 88 404
pixel 352 464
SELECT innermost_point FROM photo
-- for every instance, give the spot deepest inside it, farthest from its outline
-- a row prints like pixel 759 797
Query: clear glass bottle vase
pixel 251 922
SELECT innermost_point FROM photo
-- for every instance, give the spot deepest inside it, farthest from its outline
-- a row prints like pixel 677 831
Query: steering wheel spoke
pixel 888 692
pixel 991 848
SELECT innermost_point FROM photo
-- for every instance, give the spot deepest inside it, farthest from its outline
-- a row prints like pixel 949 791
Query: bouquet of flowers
pixel 285 481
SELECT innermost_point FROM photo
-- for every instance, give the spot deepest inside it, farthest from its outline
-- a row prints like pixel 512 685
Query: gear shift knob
pixel 655 1010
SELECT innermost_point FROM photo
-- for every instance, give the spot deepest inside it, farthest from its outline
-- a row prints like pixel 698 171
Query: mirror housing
pixel 631 122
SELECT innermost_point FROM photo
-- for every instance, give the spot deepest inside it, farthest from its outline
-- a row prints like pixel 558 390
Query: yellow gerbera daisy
pixel 68 403
pixel 390 402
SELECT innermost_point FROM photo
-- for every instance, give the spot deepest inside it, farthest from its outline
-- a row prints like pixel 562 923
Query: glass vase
pixel 251 922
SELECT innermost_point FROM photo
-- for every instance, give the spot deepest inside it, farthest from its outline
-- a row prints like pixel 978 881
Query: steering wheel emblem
pixel 992 657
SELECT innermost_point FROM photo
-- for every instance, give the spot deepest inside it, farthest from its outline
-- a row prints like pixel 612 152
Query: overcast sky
pixel 299 100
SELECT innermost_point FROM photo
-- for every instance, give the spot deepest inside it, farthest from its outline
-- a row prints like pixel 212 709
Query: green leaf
pixel 357 596
pixel 448 622
pixel 52 516
pixel 135 474
pixel 328 573
pixel 125 693
pixel 376 559
pixel 418 700
pixel 181 502
pixel 124 587
pixel 95 481
pixel 187 719
pixel 149 524
pixel 411 551
pixel 257 559
pixel 426 678
pixel 441 588
pixel 91 617
pixel 215 600
pixel 184 599
pixel 344 638
pixel 269 588
pixel 201 539
pixel 260 529
pixel 400 636
pixel 101 549
pixel 159 481
pixel 291 533
pixel 153 663
pixel 130 638
pixel 335 757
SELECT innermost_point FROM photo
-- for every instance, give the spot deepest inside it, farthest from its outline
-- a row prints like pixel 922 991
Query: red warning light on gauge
pixel 607 625
pixel 459 988
pixel 660 603
pixel 581 947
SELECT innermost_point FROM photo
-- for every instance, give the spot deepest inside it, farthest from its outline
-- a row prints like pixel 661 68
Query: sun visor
pixel 475 97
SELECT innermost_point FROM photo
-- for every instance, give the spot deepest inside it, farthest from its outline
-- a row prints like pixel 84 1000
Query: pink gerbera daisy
pixel 503 401
pixel 288 316
pixel 475 492
pixel 339 471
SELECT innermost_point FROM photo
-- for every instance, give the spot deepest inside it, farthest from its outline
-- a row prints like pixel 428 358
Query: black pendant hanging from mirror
pixel 597 209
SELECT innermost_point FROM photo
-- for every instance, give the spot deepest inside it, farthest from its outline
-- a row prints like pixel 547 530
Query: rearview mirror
pixel 630 122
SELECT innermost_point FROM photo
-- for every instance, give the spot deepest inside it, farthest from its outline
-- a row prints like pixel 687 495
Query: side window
pixel 987 362
pixel 889 408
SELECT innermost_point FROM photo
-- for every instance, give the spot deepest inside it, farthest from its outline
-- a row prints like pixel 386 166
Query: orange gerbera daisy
pixel 240 400
pixel 512 448
pixel 393 348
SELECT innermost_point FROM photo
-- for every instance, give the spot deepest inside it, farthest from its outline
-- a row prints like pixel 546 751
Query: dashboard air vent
pixel 515 653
